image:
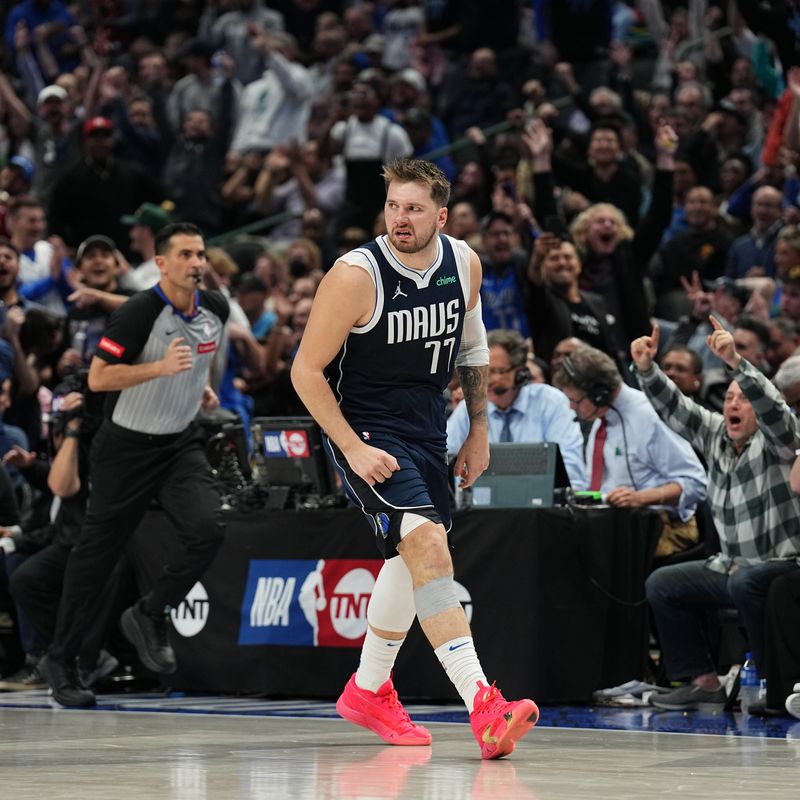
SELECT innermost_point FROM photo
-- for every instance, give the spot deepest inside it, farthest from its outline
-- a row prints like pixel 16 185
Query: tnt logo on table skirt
pixel 321 603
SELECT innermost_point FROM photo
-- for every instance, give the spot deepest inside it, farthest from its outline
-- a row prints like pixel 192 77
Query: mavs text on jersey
pixel 390 373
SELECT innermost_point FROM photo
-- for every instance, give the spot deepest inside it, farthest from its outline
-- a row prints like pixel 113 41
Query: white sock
pixel 377 659
pixel 460 662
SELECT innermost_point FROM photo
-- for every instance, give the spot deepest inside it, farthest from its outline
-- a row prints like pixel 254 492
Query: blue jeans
pixel 679 592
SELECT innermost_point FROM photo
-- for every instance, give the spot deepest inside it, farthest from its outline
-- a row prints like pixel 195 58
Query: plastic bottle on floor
pixel 749 684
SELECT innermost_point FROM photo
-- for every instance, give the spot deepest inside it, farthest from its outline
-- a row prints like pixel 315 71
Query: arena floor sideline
pixel 177 747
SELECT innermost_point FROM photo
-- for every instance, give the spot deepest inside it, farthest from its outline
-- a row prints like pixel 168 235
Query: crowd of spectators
pixel 613 162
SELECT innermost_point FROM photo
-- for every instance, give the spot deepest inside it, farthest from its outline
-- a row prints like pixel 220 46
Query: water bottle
pixel 218 76
pixel 749 684
pixel 79 339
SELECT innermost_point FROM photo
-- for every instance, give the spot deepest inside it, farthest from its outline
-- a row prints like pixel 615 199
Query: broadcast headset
pixel 517 351
pixel 598 391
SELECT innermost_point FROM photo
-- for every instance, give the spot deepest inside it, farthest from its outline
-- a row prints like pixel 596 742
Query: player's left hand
pixel 473 458
pixel 210 400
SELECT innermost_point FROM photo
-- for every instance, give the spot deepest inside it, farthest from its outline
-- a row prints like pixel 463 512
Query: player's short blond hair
pixel 417 170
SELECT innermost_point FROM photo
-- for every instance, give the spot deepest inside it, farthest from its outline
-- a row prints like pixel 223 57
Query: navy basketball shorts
pixel 418 487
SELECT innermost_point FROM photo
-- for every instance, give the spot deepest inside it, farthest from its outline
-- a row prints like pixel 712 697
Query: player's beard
pixel 416 243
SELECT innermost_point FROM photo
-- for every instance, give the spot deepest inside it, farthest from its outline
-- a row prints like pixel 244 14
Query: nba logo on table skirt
pixel 318 603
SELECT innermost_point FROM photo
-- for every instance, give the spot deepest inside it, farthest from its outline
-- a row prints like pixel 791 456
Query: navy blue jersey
pixel 390 373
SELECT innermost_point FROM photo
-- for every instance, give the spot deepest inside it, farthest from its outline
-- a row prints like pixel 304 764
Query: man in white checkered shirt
pixel 749 449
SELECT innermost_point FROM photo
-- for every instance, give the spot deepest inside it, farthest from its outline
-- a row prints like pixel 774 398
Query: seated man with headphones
pixel 520 411
pixel 633 457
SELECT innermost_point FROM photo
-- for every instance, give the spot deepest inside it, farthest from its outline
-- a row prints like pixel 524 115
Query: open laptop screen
pixel 520 475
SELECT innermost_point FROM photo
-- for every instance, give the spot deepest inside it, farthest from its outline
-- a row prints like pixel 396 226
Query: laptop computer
pixel 520 475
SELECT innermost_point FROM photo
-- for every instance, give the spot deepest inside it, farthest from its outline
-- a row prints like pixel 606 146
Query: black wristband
pixel 71 434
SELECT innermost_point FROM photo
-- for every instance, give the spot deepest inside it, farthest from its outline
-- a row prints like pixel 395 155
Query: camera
pixel 77 381
pixel 90 411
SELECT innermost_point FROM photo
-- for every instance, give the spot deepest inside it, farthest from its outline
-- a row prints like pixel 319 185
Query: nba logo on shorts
pixel 382 522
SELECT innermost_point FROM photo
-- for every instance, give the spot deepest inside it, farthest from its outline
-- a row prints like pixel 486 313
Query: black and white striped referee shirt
pixel 139 332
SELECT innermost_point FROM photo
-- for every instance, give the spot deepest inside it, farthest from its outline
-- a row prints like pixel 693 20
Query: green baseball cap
pixel 149 214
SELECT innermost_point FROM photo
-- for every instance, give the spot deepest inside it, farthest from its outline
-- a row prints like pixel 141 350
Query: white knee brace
pixel 391 607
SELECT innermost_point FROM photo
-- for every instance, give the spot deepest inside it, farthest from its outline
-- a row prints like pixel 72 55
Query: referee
pixel 153 362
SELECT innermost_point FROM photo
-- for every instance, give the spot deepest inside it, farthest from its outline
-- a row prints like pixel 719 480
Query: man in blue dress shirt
pixel 632 456
pixel 520 411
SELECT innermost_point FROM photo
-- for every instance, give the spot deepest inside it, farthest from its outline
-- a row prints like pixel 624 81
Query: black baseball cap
pixel 92 242
pixel 730 286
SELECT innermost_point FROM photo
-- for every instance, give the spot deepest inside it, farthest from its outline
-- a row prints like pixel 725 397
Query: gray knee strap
pixel 435 597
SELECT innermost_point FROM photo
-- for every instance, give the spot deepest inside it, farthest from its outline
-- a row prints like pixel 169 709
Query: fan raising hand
pixel 721 343
pixel 644 349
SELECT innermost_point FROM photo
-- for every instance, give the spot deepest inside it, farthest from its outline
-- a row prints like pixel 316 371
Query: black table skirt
pixel 555 598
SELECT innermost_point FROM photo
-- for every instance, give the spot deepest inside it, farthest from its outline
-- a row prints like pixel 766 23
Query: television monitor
pixel 292 455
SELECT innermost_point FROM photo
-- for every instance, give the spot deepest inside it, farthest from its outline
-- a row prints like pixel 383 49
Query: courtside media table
pixel 554 597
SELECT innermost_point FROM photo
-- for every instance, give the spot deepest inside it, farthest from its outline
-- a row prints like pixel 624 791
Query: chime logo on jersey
pixel 319 603
pixel 286 444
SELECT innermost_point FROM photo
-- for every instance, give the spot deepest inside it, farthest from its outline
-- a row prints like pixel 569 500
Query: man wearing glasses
pixel 521 411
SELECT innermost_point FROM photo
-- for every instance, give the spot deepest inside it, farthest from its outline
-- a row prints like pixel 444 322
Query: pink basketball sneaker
pixel 382 713
pixel 498 723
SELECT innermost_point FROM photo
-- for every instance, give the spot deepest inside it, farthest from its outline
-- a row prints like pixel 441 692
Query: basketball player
pixel 389 321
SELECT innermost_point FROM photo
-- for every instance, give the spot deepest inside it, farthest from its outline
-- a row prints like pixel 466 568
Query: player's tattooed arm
pixel 474 381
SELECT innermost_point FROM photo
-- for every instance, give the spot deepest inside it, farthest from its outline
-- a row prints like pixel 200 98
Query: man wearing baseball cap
pixel 92 303
pixel 96 192
pixel 52 128
pixel 52 92
pixel 98 125
pixel 57 138
pixel 23 168
pixel 15 181
pixel 145 223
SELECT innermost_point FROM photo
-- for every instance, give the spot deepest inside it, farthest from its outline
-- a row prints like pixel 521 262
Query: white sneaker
pixel 793 702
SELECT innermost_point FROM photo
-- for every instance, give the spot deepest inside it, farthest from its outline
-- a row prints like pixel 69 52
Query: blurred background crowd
pixel 266 124
pixel 613 162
